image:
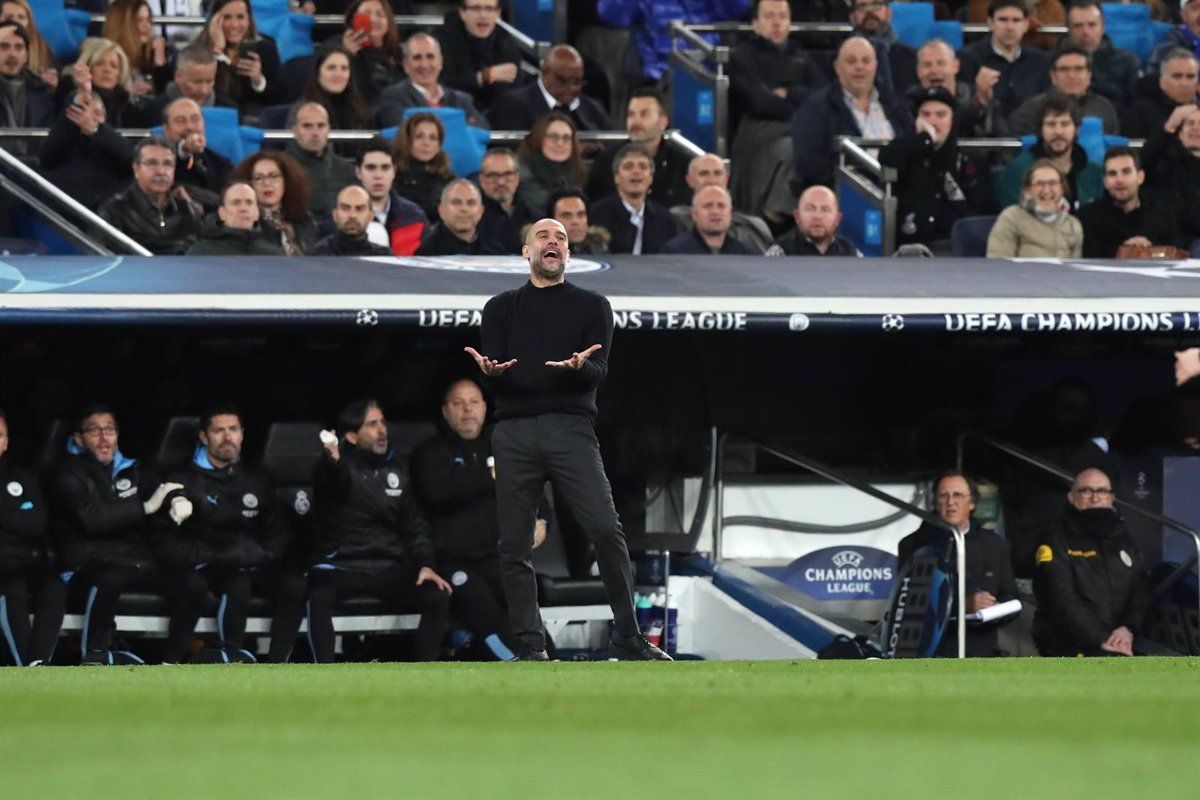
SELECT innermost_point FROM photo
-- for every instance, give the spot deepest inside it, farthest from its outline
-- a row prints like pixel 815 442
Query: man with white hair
pixel 712 215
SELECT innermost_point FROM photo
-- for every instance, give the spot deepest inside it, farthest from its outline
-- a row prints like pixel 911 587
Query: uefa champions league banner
pixel 649 293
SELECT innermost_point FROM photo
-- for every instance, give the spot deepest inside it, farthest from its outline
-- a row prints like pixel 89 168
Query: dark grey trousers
pixel 562 449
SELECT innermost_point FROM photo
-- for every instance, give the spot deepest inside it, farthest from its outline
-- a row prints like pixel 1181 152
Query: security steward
pixel 454 478
pixel 990 577
pixel 102 505
pixel 1089 580
pixel 224 525
pixel 371 537
pixel 25 567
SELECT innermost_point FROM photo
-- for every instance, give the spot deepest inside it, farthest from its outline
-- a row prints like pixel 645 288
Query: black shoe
pixel 636 648
pixel 97 658
pixel 529 654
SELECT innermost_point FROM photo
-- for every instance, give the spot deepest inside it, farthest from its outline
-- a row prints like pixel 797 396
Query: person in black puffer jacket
pixel 103 504
pixel 25 567
pixel 371 538
pixel 224 524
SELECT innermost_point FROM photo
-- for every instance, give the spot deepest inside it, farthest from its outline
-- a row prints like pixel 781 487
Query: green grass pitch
pixel 981 729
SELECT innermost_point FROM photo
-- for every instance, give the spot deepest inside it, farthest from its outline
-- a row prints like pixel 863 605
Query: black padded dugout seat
pixel 178 442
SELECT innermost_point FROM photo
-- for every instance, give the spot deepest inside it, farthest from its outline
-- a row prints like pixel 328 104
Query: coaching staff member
pixel 545 407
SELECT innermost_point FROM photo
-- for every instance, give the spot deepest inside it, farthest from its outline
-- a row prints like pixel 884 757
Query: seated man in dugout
pixel 1090 579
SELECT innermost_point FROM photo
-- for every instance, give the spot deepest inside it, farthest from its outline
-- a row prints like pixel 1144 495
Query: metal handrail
pixel 673 135
pixel 83 211
pixel 960 544
pixel 1045 466
pixel 973 28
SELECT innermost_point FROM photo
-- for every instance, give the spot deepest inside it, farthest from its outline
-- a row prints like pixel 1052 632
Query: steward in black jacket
pixel 102 509
pixel 371 536
pixel 989 569
pixel 25 568
pixel 1089 581
pixel 225 525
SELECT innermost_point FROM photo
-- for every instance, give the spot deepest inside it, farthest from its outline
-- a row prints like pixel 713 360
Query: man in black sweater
pixel 1125 214
pixel 372 537
pixel 351 215
pixel 545 407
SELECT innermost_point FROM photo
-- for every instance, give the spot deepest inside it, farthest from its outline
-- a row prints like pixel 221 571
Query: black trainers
pixel 529 654
pixel 636 648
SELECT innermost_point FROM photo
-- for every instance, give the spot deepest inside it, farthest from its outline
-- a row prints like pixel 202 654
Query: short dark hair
pixel 1123 150
pixel 1082 4
pixel 630 150
pixel 150 141
pixel 562 193
pixel 376 144
pixel 972 486
pixel 653 94
pixel 91 410
pixel 218 410
pixel 234 183
pixel 996 5
pixel 19 28
pixel 1057 103
pixel 354 414
pixel 757 4
pixel 1070 50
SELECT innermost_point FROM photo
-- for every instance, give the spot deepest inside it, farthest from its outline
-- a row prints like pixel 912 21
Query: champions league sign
pixel 840 573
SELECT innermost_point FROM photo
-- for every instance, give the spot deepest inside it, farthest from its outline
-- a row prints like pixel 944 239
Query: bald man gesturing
pixel 545 352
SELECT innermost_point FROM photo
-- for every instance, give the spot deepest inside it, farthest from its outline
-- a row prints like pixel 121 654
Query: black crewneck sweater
pixel 534 326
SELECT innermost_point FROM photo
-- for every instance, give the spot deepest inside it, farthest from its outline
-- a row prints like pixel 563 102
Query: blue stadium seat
pixel 64 29
pixel 464 143
pixel 1092 138
pixel 226 136
pixel 968 237
pixel 292 32
pixel 915 25
pixel 1129 26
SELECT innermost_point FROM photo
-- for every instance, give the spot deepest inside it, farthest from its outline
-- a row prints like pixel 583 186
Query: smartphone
pixel 362 23
pixel 245 48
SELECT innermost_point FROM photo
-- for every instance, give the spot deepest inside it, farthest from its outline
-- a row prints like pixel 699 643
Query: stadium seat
pixel 464 144
pixel 968 237
pixel 225 135
pixel 64 29
pixel 291 455
pixel 1092 139
pixel 292 32
pixel 274 118
pixel 55 444
pixel 178 442
pixel 1129 26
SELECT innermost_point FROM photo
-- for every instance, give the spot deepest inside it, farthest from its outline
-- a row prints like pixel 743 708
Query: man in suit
pixel 560 87
pixel 637 224
pixel 423 65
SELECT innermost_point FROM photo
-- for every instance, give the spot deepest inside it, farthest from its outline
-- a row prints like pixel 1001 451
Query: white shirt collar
pixel 425 92
pixel 549 98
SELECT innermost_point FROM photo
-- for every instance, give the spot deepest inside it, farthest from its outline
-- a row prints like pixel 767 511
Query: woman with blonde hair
pixel 422 166
pixel 41 59
pixel 102 69
pixel 1040 224
pixel 130 23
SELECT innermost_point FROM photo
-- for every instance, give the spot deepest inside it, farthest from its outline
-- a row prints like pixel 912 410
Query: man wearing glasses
pixel 153 211
pixel 103 501
pixel 478 56
pixel 1091 588
pixel 1071 75
pixel 558 88
pixel 989 568
pixel 503 214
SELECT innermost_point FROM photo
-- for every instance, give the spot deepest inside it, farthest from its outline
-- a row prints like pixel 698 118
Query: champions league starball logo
pixel 496 265
pixel 892 322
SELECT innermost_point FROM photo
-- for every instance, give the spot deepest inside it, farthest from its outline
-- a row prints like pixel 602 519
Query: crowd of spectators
pixel 791 98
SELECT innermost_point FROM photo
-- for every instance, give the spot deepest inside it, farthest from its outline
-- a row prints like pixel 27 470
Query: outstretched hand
pixel 427 574
pixel 576 361
pixel 488 366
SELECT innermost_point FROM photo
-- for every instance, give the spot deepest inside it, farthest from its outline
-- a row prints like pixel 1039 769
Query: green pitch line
pixel 982 729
